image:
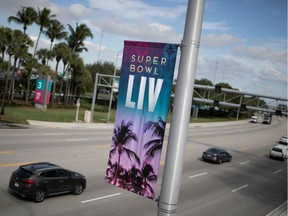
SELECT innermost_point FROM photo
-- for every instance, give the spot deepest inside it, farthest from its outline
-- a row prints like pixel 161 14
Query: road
pixel 252 184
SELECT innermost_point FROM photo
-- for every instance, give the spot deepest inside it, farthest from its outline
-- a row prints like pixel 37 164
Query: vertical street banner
pixel 143 102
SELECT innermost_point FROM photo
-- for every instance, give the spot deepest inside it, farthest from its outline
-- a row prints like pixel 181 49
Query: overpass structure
pixel 210 95
pixel 238 94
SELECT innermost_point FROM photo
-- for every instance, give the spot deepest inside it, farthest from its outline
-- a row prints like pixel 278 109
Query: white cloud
pixel 216 26
pixel 134 8
pixel 219 40
pixel 272 74
pixel 138 30
pixel 262 53
pixel 79 10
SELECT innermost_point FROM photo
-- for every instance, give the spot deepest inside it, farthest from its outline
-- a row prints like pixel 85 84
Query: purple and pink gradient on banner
pixel 143 103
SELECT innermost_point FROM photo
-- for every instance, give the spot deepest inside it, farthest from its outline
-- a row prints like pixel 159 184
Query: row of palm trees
pixel 139 177
pixel 15 44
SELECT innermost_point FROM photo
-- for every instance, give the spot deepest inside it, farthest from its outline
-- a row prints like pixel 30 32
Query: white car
pixel 254 119
pixel 279 151
pixel 284 140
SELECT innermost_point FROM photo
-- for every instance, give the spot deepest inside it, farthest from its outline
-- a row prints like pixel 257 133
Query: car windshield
pixel 276 149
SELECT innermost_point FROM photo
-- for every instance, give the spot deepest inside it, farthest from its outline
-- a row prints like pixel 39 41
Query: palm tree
pixel 148 175
pixel 44 19
pixel 4 32
pixel 76 37
pixel 81 77
pixel 123 135
pixel 20 45
pixel 68 57
pixel 43 55
pixel 140 179
pixel 68 72
pixel 59 50
pixel 5 36
pixel 136 180
pixel 155 145
pixel 111 171
pixel 30 63
pixel 75 41
pixel 12 39
pixel 55 31
pixel 26 16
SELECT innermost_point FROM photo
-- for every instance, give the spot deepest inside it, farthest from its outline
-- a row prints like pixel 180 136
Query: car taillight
pixel 27 183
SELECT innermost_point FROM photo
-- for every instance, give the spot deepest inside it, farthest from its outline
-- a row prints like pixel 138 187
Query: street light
pixel 111 93
pixel 100 44
pixel 215 72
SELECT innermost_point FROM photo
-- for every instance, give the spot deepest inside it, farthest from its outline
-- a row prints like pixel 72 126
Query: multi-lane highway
pixel 252 184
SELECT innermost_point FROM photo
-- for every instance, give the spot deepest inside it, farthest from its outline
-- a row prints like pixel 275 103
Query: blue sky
pixel 243 43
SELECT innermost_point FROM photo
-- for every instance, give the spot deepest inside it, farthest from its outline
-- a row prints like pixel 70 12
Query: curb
pixel 79 125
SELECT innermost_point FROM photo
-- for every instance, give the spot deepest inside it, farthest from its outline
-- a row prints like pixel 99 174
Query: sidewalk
pixel 79 125
pixel 68 125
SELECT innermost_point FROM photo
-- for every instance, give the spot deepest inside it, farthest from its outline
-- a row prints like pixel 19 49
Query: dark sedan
pixel 217 155
pixel 39 180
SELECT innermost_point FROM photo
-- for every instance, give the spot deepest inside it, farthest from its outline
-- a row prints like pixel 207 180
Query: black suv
pixel 39 180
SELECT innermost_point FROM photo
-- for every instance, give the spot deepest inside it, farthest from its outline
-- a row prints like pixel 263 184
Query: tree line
pixel 19 68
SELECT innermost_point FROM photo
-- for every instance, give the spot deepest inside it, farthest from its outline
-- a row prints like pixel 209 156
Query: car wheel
pixel 230 159
pixel 219 161
pixel 78 189
pixel 39 195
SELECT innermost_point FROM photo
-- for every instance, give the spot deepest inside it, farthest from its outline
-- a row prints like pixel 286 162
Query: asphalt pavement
pixel 280 211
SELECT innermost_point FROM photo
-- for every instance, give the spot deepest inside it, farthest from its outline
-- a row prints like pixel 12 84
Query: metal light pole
pixel 111 93
pixel 94 97
pixel 47 79
pixel 215 72
pixel 181 111
pixel 99 50
pixel 77 109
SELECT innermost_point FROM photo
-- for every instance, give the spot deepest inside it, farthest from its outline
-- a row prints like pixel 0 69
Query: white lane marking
pixel 245 162
pixel 74 140
pixel 278 171
pixel 240 188
pixel 53 134
pixel 276 210
pixel 100 198
pixel 201 174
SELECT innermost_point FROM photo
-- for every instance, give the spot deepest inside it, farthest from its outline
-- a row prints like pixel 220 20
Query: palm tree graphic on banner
pixel 138 177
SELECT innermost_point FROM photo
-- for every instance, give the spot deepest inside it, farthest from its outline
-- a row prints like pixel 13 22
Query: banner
pixel 142 106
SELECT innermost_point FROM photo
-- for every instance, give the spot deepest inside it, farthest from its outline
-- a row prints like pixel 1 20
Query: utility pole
pixel 181 110
pixel 94 98
pixel 100 44
pixel 215 73
pixel 111 93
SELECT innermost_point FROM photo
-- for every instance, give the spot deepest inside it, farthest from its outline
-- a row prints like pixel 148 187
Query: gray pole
pixel 94 97
pixel 47 79
pixel 111 93
pixel 181 111
pixel 238 112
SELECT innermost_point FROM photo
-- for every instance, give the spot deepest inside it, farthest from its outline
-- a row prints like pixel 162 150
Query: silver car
pixel 279 151
pixel 284 140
